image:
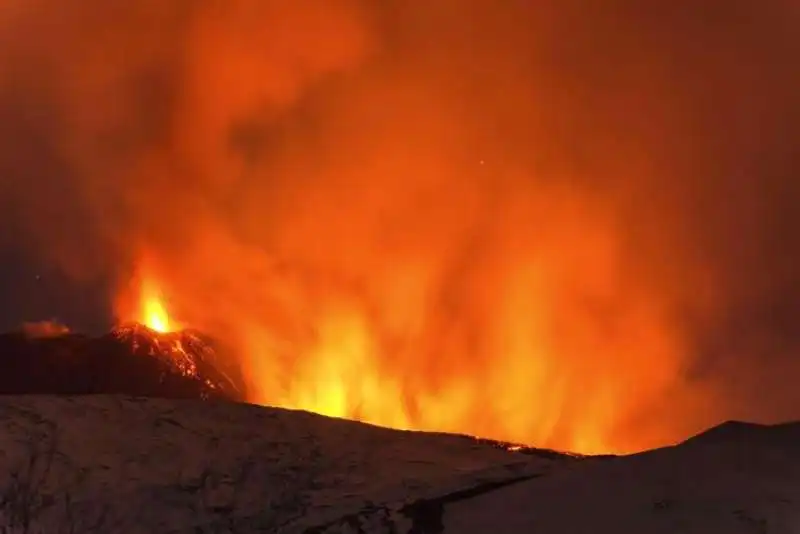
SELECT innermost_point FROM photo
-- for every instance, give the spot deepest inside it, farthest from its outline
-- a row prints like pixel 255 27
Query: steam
pixel 44 329
pixel 586 213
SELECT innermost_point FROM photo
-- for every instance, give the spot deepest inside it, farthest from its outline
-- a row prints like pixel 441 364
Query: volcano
pixel 132 359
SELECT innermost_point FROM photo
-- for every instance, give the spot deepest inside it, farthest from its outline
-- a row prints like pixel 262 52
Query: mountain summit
pixel 132 359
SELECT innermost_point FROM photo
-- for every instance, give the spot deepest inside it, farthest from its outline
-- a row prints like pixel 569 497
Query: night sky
pixel 35 291
pixel 680 119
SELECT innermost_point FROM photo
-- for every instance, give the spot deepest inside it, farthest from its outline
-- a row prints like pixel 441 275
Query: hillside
pixel 125 464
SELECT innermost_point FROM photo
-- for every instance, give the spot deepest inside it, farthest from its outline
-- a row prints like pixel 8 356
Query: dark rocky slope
pixel 130 360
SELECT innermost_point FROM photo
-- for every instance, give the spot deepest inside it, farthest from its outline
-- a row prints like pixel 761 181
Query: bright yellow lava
pixel 155 316
pixel 152 312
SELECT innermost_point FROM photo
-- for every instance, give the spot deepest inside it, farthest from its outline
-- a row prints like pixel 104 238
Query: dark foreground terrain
pixel 111 464
pixel 130 360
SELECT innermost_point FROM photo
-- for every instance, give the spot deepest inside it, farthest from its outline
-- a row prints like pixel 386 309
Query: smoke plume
pixel 540 221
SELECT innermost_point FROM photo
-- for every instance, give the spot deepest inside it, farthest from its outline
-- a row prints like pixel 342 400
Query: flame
pixel 154 315
pixel 143 302
pixel 387 357
pixel 532 347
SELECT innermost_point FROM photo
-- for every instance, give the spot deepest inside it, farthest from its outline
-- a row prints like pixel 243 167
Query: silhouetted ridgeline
pixel 130 360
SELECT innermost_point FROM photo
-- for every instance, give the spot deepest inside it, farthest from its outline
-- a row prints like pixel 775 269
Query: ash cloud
pixel 473 179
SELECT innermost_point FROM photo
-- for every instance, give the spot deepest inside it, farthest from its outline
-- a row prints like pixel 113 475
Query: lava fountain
pixel 143 302
pixel 145 325
pixel 154 315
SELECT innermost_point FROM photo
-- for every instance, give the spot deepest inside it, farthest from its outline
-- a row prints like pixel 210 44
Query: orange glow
pixel 154 316
pixel 144 303
pixel 526 362
pixel 426 215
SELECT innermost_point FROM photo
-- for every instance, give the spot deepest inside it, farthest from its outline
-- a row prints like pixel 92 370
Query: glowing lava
pixel 144 302
pixel 155 316
pixel 147 327
pixel 150 308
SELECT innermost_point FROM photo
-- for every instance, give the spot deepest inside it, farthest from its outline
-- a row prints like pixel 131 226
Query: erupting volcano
pixel 151 333
pixel 545 223
pixel 142 356
pixel 340 365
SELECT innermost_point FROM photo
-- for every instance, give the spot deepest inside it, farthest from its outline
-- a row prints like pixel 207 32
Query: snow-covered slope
pixel 152 466
pixel 112 464
pixel 735 478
